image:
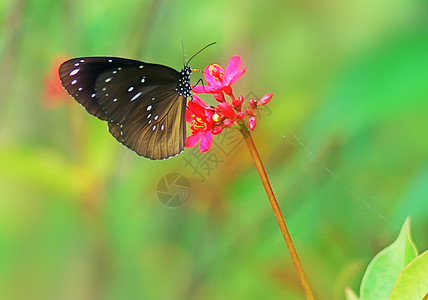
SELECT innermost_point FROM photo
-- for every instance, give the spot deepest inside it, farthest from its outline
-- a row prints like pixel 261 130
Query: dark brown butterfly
pixel 144 104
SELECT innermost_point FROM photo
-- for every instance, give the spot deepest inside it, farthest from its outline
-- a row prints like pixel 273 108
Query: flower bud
pixel 227 110
pixel 237 103
pixel 252 123
pixel 219 96
pixel 249 112
pixel 227 122
pixel 265 99
pixel 217 130
pixel 253 103
pixel 240 115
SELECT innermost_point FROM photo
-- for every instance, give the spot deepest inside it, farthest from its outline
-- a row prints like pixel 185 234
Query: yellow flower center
pixel 198 124
pixel 216 73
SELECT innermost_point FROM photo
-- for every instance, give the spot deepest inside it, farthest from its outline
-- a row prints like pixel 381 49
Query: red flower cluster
pixel 54 94
pixel 208 120
pixel 199 115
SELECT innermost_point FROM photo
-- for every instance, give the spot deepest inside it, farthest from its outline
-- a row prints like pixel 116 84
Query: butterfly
pixel 143 103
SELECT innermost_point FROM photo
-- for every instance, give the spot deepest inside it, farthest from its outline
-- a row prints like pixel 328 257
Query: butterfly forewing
pixel 142 102
pixel 120 90
pixel 78 76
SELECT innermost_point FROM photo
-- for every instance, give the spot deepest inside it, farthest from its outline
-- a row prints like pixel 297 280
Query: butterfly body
pixel 143 103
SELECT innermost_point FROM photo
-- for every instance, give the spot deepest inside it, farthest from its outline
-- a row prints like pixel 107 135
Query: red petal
pixel 199 89
pixel 192 111
pixel 193 139
pixel 206 141
pixel 199 102
pixel 236 76
pixel 232 68
pixel 206 89
pixel 189 115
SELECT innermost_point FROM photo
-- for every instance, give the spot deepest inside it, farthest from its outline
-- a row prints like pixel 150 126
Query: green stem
pixel 277 212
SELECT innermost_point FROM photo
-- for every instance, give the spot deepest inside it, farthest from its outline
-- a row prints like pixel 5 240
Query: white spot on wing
pixel 93 95
pixel 110 60
pixel 74 81
pixel 156 117
pixel 108 79
pixel 154 127
pixel 148 117
pixel 149 107
pixel 162 127
pixel 74 72
pixel 115 99
pixel 130 89
pixel 143 80
pixel 136 96
pixel 79 89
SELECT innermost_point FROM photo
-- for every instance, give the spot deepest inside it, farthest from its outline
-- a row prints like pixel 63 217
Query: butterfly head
pixel 184 87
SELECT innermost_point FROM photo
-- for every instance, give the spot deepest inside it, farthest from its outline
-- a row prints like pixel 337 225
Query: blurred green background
pixel 345 145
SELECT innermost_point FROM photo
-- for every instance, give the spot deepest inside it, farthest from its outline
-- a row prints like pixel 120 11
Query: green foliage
pixel 412 282
pixel 396 272
pixel 350 294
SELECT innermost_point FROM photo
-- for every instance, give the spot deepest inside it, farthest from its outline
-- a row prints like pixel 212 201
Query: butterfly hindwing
pixel 154 129
pixel 159 132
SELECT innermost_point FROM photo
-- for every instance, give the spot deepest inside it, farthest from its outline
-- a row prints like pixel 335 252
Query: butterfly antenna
pixel 182 47
pixel 200 52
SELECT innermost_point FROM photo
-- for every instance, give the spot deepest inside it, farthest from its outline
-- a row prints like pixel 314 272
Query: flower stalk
pixel 207 121
pixel 277 211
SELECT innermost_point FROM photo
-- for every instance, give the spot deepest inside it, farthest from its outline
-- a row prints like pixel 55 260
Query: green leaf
pixel 350 294
pixel 412 283
pixel 385 267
